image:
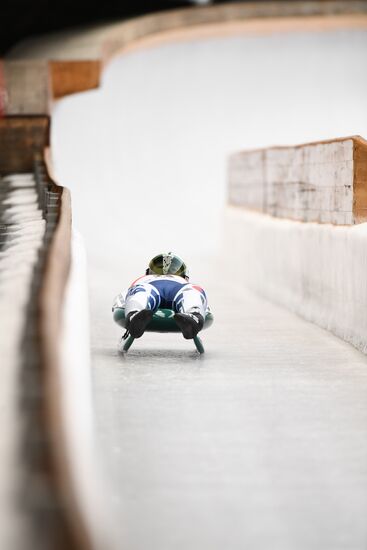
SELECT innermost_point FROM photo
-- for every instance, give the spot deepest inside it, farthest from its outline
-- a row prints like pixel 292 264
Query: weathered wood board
pixel 26 87
pixel 70 77
pixel 322 182
pixel 21 139
pixel 26 91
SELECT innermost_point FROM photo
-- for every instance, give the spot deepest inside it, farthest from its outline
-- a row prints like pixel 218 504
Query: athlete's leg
pixel 190 305
pixel 141 301
pixel 142 296
pixel 190 299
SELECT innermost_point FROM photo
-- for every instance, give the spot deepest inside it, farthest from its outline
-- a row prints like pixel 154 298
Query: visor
pixel 167 264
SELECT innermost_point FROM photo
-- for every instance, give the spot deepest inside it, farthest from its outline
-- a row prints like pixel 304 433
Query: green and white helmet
pixel 167 263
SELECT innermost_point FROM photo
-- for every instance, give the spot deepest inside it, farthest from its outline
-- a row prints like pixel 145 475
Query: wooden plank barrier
pixel 73 532
pixel 228 18
pixel 3 93
pixel 27 88
pixel 70 77
pixel 26 84
pixel 323 182
pixel 22 138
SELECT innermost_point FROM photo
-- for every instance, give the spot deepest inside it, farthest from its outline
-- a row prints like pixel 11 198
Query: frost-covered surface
pixel 155 139
pixel 262 442
pixel 75 389
pixel 316 270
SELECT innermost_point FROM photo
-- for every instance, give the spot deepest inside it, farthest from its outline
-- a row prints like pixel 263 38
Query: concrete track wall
pixel 317 271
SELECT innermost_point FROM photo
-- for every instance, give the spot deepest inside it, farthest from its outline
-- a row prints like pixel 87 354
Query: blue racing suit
pixel 163 291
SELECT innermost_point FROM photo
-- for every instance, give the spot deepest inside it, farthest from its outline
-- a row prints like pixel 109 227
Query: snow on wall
pixel 318 271
pixel 76 391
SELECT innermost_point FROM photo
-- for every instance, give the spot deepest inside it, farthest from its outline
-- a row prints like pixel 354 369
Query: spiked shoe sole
pixel 139 322
pixel 188 326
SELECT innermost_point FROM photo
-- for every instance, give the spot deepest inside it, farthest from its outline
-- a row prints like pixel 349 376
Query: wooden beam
pixel 21 139
pixel 324 181
pixel 26 87
pixel 70 77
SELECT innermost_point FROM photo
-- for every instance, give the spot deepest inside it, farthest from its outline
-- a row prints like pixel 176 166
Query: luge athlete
pixel 164 285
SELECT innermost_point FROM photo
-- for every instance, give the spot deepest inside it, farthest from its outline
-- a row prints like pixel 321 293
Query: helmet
pixel 167 264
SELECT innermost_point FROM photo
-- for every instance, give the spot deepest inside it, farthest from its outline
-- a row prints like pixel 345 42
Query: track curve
pixel 262 442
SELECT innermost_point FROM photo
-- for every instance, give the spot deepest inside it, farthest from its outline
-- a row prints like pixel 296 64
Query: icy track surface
pixel 262 443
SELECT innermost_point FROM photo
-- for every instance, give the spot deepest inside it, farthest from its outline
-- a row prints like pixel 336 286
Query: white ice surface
pixel 261 443
pixel 320 274
pixel 157 135
pixel 76 403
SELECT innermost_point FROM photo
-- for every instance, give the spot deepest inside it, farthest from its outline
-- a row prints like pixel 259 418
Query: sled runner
pixel 162 321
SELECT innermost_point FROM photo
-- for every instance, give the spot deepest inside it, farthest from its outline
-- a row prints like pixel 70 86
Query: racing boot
pixel 189 323
pixel 137 322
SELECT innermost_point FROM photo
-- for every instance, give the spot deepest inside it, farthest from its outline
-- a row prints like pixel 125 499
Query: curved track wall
pixel 19 100
pixel 323 182
pixel 321 271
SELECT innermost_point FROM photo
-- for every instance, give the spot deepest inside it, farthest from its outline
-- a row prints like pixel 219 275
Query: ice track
pixel 262 443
